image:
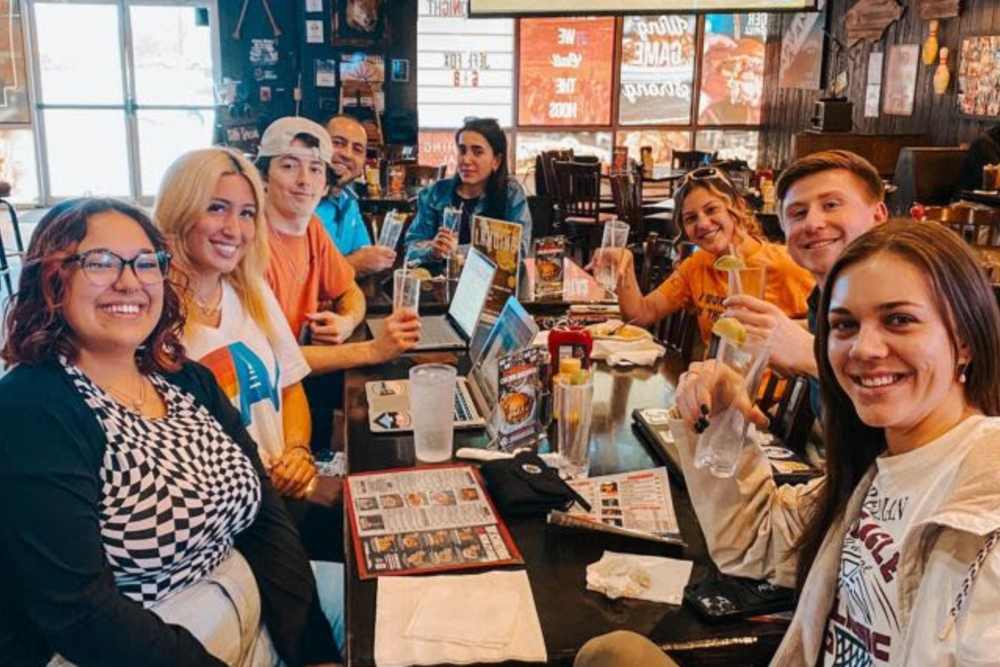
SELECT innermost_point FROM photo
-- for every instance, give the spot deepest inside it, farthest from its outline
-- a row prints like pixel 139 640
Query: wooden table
pixel 555 557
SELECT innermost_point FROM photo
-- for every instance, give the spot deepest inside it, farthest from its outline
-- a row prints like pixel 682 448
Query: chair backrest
pixel 547 159
pixel 626 190
pixel 690 159
pixel 578 188
pixel 656 261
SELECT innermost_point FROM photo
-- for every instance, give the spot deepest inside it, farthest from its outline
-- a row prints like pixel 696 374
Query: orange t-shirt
pixel 699 285
pixel 306 271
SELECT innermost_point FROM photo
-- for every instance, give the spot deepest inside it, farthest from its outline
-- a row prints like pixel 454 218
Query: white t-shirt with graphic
pixel 251 369
pixel 864 626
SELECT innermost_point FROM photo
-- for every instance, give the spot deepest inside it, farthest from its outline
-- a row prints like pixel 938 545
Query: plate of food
pixel 615 329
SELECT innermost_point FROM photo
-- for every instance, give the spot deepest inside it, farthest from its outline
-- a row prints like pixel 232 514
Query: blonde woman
pixel 713 216
pixel 211 209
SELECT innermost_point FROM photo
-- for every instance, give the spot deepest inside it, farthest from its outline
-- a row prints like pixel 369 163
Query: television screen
pixel 591 7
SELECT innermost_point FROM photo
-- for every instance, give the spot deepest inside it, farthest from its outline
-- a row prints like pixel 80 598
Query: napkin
pixel 459 619
pixel 641 577
pixel 642 352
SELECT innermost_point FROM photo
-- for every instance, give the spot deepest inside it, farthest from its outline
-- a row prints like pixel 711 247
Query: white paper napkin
pixel 643 352
pixel 417 620
pixel 641 577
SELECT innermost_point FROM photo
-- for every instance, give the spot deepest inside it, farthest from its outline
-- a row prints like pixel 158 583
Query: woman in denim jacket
pixel 482 186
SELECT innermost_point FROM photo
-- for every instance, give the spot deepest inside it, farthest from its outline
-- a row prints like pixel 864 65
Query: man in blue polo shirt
pixel 339 211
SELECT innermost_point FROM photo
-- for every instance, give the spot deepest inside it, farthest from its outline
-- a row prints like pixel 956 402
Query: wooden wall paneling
pixel 787 111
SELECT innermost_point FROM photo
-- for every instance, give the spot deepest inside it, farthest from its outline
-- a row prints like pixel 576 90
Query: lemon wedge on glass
pixel 729 263
pixel 731 329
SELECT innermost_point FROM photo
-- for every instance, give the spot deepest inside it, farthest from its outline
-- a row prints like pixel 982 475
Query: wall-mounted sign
pixel 802 51
pixel 565 72
pixel 868 19
pixel 732 69
pixel 464 68
pixel 657 69
pixel 591 7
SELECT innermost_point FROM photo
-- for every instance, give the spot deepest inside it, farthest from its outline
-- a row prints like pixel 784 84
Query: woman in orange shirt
pixel 715 217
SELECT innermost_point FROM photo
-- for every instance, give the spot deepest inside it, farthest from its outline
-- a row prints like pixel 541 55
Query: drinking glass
pixel 451 219
pixel 574 411
pixel 749 281
pixel 742 367
pixel 609 256
pixel 392 227
pixel 432 397
pixel 405 290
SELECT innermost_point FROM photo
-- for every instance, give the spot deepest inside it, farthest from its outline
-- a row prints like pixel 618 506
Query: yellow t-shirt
pixel 698 285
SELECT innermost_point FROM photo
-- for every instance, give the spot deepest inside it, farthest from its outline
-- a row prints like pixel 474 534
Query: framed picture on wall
pixel 900 79
pixel 979 76
pixel 358 21
pixel 802 50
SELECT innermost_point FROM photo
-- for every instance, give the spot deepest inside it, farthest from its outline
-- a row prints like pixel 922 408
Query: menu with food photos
pixel 516 416
pixel 500 241
pixel 427 519
pixel 638 504
pixel 550 252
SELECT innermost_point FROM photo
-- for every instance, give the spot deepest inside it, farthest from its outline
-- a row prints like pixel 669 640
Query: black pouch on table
pixel 526 486
pixel 724 598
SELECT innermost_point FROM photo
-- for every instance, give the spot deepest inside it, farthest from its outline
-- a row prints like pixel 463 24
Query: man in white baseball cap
pixel 312 281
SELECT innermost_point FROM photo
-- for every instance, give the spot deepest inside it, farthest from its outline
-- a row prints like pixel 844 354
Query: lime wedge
pixel 731 329
pixel 729 263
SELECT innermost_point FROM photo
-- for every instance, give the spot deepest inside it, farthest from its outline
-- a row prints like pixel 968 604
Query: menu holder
pixel 432 519
pixel 550 252
pixel 516 417
pixel 501 242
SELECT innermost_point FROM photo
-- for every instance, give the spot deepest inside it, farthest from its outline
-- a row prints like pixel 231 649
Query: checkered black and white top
pixel 175 491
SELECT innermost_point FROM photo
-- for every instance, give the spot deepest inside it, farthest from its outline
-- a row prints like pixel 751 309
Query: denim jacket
pixel 430 209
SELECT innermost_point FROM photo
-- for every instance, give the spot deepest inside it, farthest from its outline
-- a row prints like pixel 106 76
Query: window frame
pixel 129 107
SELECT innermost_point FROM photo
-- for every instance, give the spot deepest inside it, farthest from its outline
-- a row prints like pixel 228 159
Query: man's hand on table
pixel 372 259
pixel 329 328
pixel 400 334
pixel 706 388
pixel 791 344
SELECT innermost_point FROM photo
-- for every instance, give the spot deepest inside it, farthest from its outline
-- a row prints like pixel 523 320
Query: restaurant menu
pixel 565 71
pixel 501 242
pixel 430 519
pixel 635 503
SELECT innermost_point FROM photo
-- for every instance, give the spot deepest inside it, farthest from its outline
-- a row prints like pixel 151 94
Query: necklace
pixel 208 309
pixel 134 402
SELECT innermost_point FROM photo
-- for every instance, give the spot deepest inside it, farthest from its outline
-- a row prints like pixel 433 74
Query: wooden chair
pixel 5 255
pixel 579 195
pixel 547 160
pixel 626 189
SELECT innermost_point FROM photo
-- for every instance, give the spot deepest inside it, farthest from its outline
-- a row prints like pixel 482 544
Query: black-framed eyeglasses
pixel 103 267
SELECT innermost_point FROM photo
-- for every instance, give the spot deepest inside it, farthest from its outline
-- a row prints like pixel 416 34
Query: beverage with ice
pixel 742 365
pixel 432 400
pixel 574 408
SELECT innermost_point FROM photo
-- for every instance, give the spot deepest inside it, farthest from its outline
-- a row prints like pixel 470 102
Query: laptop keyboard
pixel 462 411
pixel 436 331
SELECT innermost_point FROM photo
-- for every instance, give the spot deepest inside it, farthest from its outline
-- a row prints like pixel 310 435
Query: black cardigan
pixel 59 593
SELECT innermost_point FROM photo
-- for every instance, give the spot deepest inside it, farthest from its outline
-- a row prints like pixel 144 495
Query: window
pixel 671 82
pixel 120 100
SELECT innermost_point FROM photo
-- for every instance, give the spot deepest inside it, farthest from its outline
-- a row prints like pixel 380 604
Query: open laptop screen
pixel 470 294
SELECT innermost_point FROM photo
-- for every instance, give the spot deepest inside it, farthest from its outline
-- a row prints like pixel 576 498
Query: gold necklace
pixel 207 309
pixel 129 400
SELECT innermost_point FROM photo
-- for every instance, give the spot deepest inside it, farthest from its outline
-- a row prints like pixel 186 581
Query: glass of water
pixel 609 256
pixel 432 400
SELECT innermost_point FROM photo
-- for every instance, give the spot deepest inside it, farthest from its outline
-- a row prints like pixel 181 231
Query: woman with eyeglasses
pixel 713 216
pixel 137 525
pixel 893 552
pixel 482 186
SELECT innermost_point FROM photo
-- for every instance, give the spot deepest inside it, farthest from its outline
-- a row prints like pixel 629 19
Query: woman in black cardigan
pixel 136 523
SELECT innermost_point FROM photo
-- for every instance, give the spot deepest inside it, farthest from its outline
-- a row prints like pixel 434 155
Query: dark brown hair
pixel 816 163
pixel 968 307
pixel 263 164
pixel 35 328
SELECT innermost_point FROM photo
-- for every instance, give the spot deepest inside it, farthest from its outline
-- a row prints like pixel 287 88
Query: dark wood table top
pixel 556 558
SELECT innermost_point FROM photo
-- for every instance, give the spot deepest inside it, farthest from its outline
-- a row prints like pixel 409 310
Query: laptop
pixel 454 330
pixel 389 403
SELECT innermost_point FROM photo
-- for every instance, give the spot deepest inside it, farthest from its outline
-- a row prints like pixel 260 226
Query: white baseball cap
pixel 280 134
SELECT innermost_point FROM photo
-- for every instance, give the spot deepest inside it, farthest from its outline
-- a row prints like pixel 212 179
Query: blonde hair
pixel 743 218
pixel 185 193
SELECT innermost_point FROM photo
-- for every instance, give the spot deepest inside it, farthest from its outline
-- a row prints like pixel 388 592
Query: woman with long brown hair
pixel 714 216
pixel 893 550
pixel 137 525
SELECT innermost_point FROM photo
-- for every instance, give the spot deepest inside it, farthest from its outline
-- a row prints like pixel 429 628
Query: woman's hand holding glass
pixel 708 387
pixel 444 243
